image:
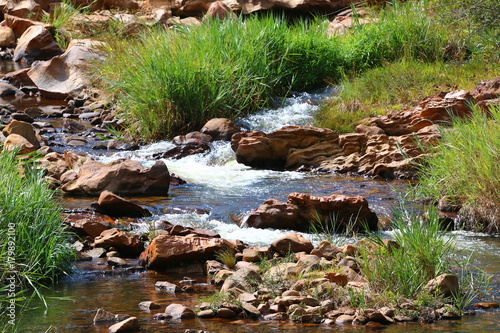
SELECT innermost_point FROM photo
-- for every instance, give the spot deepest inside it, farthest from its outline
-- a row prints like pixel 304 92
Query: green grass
pixel 466 166
pixel 397 86
pixel 172 81
pixel 424 253
pixel 32 232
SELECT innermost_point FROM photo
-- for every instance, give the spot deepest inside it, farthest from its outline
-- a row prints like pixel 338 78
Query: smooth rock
pixel 36 43
pixel 125 244
pixel 114 205
pixel 127 325
pixel 179 311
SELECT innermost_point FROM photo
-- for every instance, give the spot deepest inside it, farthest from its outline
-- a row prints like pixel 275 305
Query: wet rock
pixel 162 316
pixel 220 128
pixel 183 151
pixel 292 242
pixel 168 250
pixel 36 43
pixel 124 177
pixel 337 212
pixel 125 244
pixel 96 252
pixel 344 319
pixel 88 227
pixel 21 116
pixel 114 205
pixel 117 262
pixel 179 311
pixel 72 126
pixel 487 305
pixel 7 89
pixel 149 305
pixel 225 313
pixel 66 75
pixel 444 284
pixel 167 286
pixel 21 79
pixel 104 316
pixel 279 316
pixel 127 325
pixel 206 314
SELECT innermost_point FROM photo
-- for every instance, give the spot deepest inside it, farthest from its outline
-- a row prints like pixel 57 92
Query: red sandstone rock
pixel 291 243
pixel 114 205
pixel 338 212
pixel 169 250
pixel 19 25
pixel 218 10
pixel 125 244
pixel 24 130
pixel 220 128
pixel 24 8
pixel 36 43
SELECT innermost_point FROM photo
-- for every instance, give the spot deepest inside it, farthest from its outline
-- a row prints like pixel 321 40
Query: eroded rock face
pixel 36 43
pixel 337 212
pixel 169 250
pixel 66 75
pixel 125 177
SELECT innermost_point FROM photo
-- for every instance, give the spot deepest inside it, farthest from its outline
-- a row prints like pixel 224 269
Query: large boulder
pixel 36 43
pixel 291 243
pixel 166 250
pixel 125 177
pixel 271 151
pixel 220 128
pixel 67 74
pixel 334 212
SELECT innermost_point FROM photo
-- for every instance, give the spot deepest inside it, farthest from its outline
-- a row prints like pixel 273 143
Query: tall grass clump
pixel 465 166
pixel 423 252
pixel 34 243
pixel 169 81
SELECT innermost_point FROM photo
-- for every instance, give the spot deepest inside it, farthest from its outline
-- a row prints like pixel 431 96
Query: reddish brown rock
pixel 291 243
pixel 7 37
pixel 125 244
pixel 19 25
pixel 271 151
pixel 444 284
pixel 88 227
pixel 128 325
pixel 24 8
pixel 219 10
pixel 114 205
pixel 36 43
pixel 66 75
pixel 179 311
pixel 220 128
pixel 24 130
pixel 126 177
pixel 337 212
pixel 15 141
pixel 169 250
pixel 488 89
pixel 19 78
pixel 436 109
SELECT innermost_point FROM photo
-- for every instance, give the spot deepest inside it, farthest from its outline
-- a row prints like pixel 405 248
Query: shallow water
pixel 227 191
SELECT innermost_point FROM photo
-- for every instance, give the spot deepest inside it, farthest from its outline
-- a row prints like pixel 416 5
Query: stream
pixel 220 191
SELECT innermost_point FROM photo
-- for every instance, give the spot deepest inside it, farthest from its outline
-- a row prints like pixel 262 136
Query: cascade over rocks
pixel 337 212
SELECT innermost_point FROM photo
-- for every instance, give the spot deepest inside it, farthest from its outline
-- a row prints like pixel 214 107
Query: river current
pixel 219 192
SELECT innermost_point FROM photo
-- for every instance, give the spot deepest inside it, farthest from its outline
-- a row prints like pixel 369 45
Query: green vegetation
pixel 421 252
pixel 397 86
pixel 226 256
pixel 34 243
pixel 465 166
pixel 171 81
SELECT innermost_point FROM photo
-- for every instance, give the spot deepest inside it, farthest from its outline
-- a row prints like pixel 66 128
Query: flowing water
pixel 219 192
